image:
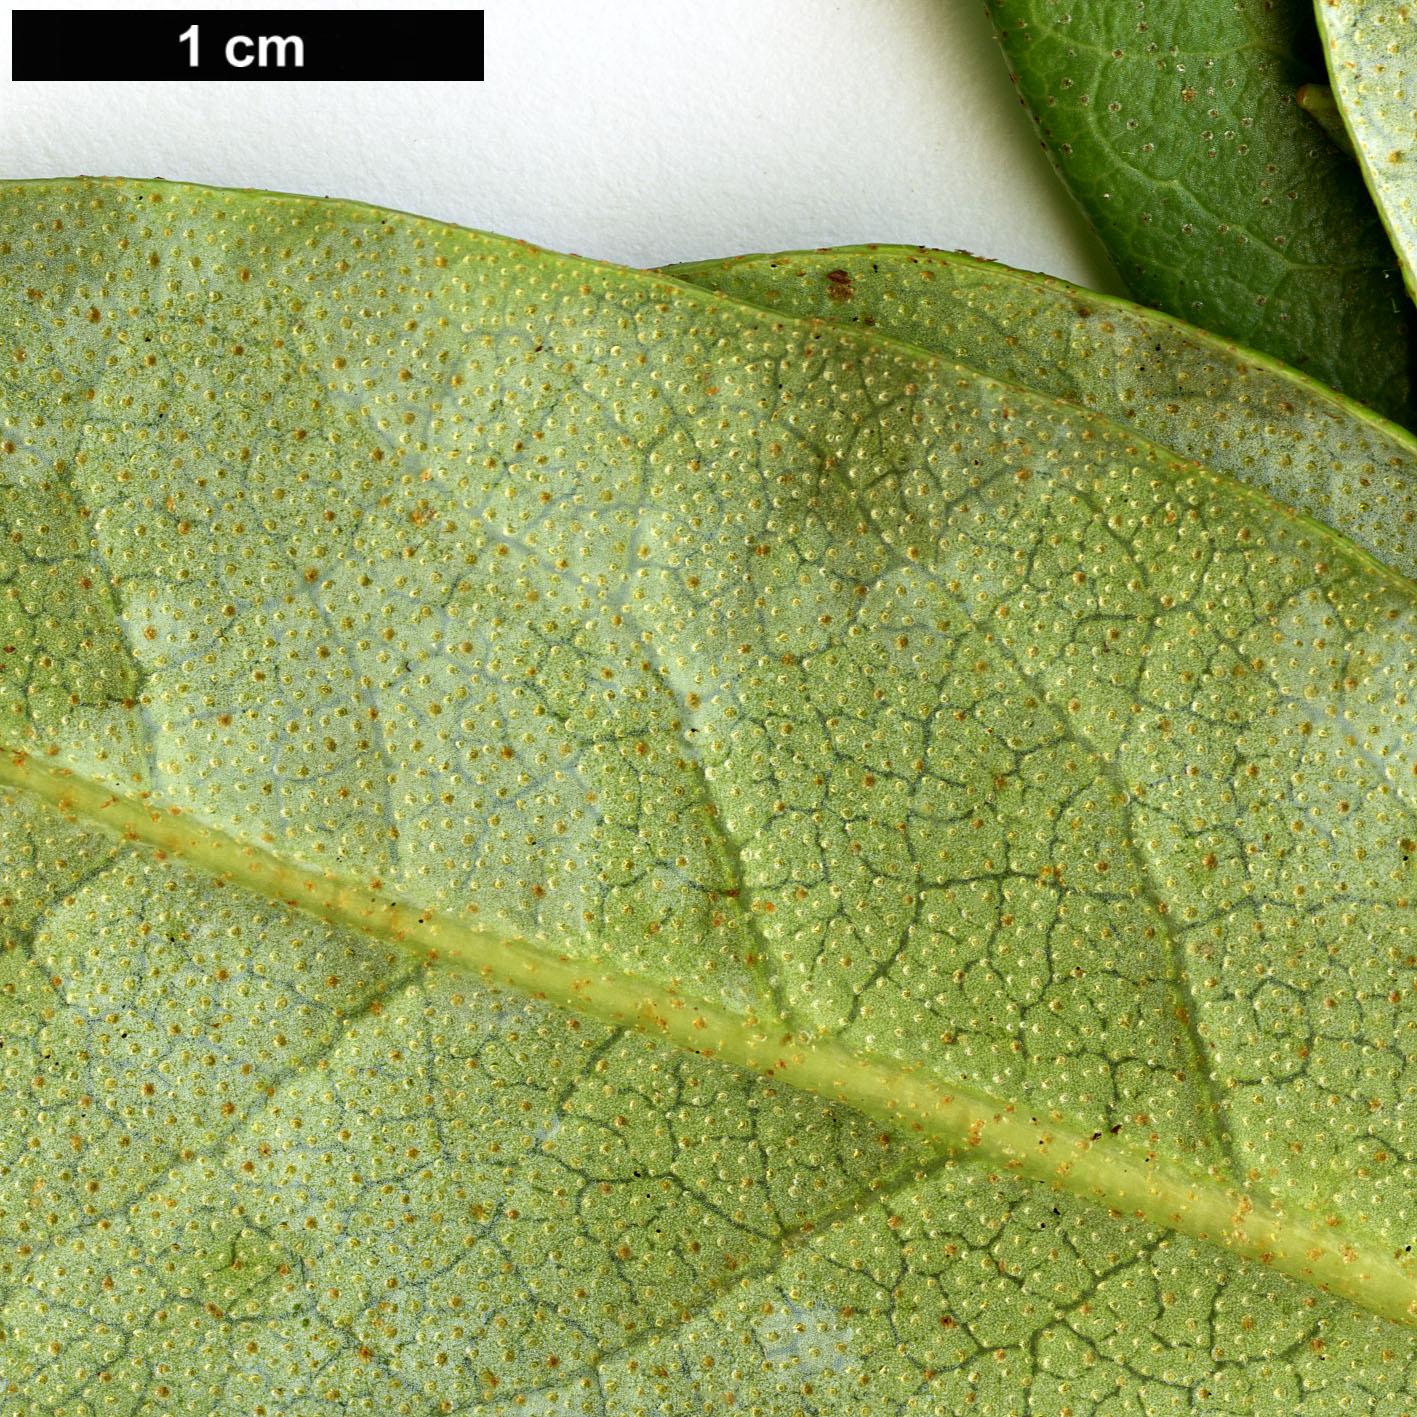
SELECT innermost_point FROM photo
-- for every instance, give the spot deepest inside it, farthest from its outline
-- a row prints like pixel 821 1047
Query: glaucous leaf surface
pixel 1174 123
pixel 1231 408
pixel 1370 50
pixel 389 584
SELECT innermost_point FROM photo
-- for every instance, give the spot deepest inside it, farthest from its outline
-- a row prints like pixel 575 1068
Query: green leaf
pixel 791 717
pixel 1369 48
pixel 1318 102
pixel 1174 124
pixel 1231 408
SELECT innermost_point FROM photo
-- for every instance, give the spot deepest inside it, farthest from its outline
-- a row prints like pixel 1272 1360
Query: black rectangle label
pixel 147 45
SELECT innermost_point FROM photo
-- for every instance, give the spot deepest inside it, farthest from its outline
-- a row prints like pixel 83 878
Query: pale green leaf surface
pixel 1371 48
pixel 746 664
pixel 1232 408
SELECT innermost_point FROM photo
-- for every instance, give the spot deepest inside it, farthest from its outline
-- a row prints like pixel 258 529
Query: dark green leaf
pixel 1175 125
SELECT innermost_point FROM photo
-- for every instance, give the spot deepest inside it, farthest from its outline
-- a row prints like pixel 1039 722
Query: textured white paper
pixel 638 131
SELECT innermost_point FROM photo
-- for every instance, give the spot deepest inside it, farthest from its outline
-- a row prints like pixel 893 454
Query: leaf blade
pixel 1221 202
pixel 1203 397
pixel 1368 50
pixel 281 1189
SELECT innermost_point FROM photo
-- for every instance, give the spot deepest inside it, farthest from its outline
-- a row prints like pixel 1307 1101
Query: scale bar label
pixel 146 46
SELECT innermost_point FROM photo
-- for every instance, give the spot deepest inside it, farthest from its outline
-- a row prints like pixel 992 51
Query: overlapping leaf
pixel 1179 387
pixel 779 670
pixel 1175 126
pixel 1369 51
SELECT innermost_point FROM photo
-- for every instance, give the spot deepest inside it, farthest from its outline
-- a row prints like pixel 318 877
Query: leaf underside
pixel 1175 126
pixel 1369 48
pixel 1201 397
pixel 767 661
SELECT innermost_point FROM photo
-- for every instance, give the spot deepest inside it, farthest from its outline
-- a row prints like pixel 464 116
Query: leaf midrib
pixel 960 1120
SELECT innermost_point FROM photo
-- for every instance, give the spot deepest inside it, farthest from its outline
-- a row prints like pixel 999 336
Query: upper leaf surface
pixel 1373 59
pixel 1222 202
pixel 777 664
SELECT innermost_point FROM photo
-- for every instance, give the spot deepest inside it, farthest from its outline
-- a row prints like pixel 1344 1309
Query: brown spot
pixel 839 286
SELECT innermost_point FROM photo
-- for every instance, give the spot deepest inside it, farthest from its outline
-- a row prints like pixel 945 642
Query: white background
pixel 638 131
